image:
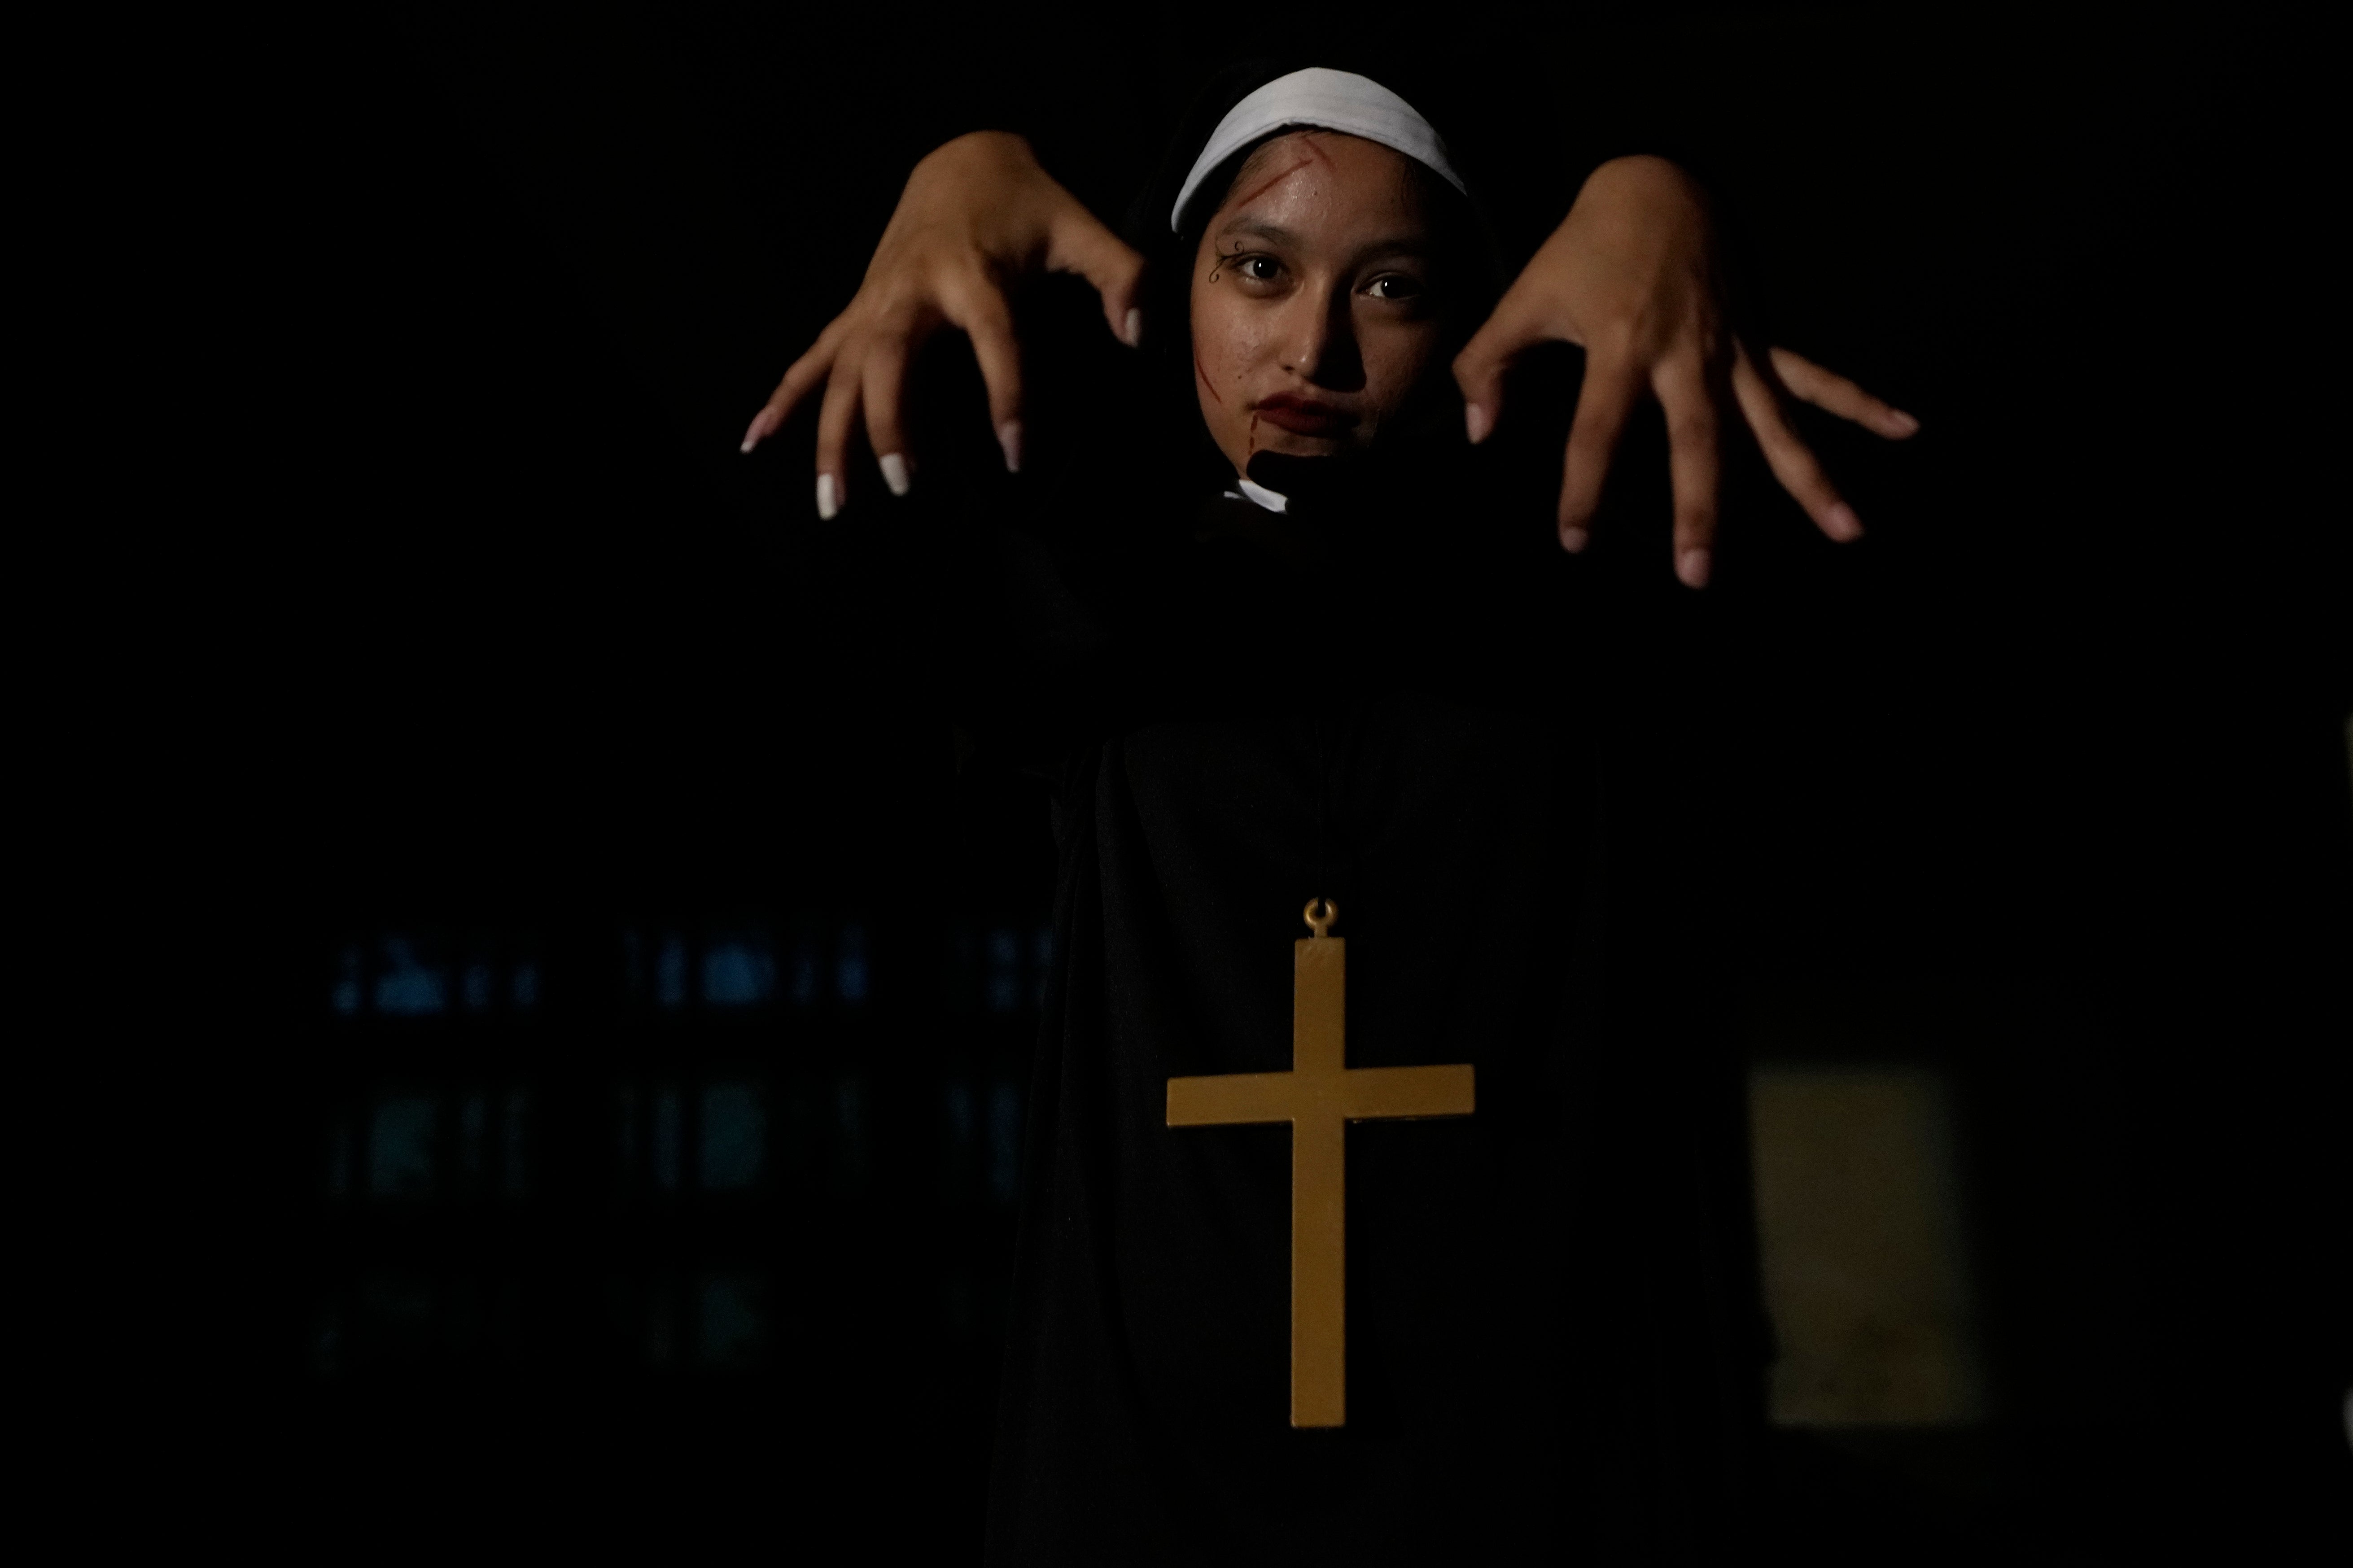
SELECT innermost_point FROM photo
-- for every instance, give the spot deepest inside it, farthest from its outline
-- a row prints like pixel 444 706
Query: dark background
pixel 2045 782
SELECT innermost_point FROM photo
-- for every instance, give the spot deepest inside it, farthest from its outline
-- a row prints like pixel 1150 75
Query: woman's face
pixel 1316 307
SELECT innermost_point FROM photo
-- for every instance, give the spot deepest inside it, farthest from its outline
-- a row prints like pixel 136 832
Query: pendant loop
pixel 1322 924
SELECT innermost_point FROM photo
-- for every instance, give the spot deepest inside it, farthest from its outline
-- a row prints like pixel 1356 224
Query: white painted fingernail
pixel 1132 330
pixel 1008 436
pixel 1905 424
pixel 1841 524
pixel 895 472
pixel 828 496
pixel 748 445
pixel 1692 567
pixel 1474 423
pixel 1573 540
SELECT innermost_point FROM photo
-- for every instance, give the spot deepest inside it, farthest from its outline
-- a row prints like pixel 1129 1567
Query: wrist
pixel 995 148
pixel 1642 174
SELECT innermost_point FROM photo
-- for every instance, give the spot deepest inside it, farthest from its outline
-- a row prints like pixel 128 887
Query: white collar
pixel 1273 501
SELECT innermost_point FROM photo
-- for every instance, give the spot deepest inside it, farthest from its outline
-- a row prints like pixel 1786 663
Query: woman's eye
pixel 1257 268
pixel 1394 286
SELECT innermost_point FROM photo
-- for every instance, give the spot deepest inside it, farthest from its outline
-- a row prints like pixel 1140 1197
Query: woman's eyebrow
pixel 1273 233
pixel 1412 245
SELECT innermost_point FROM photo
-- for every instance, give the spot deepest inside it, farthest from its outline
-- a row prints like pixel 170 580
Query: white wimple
pixel 1329 100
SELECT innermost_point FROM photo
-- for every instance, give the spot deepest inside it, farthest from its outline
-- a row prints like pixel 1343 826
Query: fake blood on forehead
pixel 1315 154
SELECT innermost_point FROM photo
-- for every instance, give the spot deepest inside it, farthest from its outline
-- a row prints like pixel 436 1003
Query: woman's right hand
pixel 978 213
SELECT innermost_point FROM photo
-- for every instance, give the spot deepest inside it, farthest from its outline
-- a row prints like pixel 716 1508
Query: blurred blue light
pixel 738 974
pixel 344 996
pixel 400 1147
pixel 670 973
pixel 1005 1142
pixel 728 1321
pixel 850 967
pixel 806 978
pixel 735 1136
pixel 1003 986
pixel 668 1135
pixel 407 989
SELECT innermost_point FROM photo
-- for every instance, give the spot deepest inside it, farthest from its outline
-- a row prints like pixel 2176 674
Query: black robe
pixel 1552 1327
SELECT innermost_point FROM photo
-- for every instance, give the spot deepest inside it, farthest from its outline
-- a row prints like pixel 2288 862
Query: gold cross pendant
pixel 1319 1097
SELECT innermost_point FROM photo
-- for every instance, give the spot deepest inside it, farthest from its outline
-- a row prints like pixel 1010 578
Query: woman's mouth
pixel 1305 417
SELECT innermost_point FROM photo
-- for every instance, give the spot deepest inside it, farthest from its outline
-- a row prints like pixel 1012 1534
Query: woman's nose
pixel 1320 340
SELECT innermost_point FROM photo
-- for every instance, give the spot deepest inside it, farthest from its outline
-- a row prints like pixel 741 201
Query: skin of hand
pixel 1316 302
pixel 976 213
pixel 1631 276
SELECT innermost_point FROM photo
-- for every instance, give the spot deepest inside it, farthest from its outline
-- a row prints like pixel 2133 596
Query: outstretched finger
pixel 1695 462
pixel 1083 246
pixel 803 377
pixel 1517 325
pixel 987 321
pixel 883 376
pixel 834 418
pixel 1828 390
pixel 1603 403
pixel 1792 461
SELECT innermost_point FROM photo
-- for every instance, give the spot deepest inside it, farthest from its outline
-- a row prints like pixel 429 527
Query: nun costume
pixel 1514 1319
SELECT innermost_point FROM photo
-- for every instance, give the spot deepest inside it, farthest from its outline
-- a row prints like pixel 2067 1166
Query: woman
pixel 1333 686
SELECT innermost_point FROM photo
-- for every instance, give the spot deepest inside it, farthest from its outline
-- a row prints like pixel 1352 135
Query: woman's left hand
pixel 1632 275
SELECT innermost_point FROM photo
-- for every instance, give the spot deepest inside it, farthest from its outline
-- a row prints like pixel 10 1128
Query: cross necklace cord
pixel 1319 1097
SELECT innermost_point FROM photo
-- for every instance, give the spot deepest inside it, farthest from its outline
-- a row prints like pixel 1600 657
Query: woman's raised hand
pixel 1632 277
pixel 976 214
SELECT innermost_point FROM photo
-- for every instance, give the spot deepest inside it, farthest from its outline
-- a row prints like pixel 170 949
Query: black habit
pixel 1552 1345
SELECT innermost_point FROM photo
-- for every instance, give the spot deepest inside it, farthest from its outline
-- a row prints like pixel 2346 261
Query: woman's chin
pixel 1291 443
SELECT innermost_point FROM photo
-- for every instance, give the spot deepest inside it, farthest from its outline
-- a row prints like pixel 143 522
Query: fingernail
pixel 1692 567
pixel 749 442
pixel 895 472
pixel 1841 524
pixel 1008 436
pixel 1474 423
pixel 1905 423
pixel 828 496
pixel 1573 540
pixel 1132 331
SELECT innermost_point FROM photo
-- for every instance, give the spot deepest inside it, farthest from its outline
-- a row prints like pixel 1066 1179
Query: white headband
pixel 1329 100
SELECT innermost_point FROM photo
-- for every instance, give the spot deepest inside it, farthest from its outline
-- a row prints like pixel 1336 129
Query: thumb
pixel 1509 331
pixel 1081 244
